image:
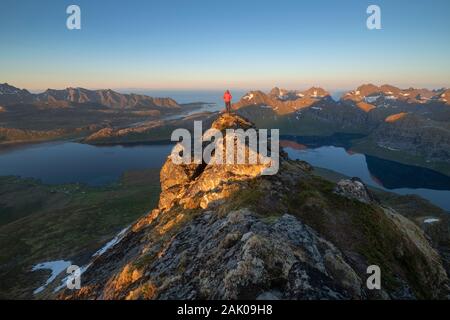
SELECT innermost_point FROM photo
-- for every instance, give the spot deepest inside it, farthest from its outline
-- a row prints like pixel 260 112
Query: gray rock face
pixel 240 257
pixel 247 267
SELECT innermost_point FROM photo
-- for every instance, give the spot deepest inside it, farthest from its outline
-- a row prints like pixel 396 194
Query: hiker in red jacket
pixel 227 98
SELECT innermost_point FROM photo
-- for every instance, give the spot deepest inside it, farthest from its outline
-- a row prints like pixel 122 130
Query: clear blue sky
pixel 193 44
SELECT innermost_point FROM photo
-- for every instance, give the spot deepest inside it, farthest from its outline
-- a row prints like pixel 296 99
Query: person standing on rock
pixel 227 99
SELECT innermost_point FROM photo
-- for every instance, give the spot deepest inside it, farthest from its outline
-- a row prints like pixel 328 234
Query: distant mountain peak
pixel 6 88
pixel 63 97
pixel 370 93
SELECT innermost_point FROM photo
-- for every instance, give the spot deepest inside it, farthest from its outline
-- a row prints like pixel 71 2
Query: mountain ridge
pixel 368 111
pixel 226 232
pixel 64 97
pixel 288 101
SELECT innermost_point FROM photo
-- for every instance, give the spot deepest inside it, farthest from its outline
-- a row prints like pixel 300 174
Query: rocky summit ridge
pixel 227 232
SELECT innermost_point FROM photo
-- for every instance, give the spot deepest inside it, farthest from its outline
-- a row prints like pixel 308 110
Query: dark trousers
pixel 228 106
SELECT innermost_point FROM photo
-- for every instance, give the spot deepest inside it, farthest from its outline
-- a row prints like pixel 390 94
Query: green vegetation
pixel 248 197
pixel 41 222
pixel 360 228
pixel 414 207
pixel 363 232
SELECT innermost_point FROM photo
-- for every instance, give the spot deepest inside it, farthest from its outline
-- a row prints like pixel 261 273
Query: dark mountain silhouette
pixel 63 98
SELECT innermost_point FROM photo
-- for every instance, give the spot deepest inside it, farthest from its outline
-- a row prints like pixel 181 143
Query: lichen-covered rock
pixel 181 185
pixel 354 189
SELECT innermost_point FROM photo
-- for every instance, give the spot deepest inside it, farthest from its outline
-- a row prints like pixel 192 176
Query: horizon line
pixel 247 88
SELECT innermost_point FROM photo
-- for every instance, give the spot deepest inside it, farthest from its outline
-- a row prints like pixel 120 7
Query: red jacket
pixel 227 97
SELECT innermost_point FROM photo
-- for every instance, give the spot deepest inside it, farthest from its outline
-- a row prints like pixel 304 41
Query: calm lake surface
pixel 380 173
pixel 70 162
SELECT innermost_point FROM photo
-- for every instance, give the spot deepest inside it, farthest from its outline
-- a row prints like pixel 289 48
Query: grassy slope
pixel 44 223
pixel 409 205
pixel 363 232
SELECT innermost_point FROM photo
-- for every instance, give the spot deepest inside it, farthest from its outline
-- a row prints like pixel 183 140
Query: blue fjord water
pixel 70 162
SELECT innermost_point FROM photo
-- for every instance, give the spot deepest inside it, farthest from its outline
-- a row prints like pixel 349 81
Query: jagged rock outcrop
pixel 354 189
pixel 198 185
pixel 227 232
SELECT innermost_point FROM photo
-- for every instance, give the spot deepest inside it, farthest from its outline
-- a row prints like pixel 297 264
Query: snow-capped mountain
pixel 10 94
pixel 387 94
pixel 284 101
